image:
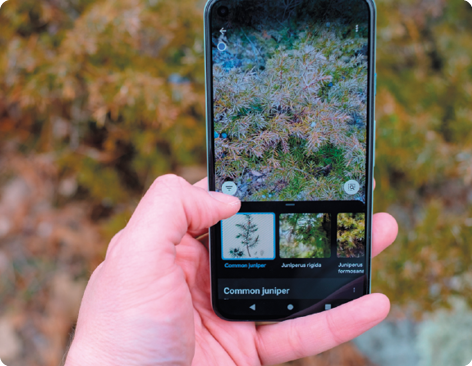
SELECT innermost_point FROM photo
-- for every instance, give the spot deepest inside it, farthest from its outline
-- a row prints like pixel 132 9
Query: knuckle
pixel 296 341
pixel 168 182
pixel 334 329
pixel 114 244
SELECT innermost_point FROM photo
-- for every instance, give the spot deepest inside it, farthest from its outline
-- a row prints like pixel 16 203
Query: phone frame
pixel 370 161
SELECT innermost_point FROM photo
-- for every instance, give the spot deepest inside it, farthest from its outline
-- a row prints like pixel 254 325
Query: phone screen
pixel 289 131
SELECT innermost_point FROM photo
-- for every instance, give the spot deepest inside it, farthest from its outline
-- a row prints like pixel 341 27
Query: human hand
pixel 149 303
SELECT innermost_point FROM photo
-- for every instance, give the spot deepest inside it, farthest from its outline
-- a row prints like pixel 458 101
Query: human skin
pixel 148 303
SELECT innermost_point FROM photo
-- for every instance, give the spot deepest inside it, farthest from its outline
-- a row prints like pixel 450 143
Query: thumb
pixel 171 208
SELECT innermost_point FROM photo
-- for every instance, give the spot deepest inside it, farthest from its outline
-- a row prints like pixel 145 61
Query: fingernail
pixel 225 198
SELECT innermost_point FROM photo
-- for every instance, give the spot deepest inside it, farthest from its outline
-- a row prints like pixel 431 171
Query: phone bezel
pixel 369 165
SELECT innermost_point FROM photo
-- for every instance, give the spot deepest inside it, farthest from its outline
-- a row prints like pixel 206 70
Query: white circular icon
pixel 229 188
pixel 351 187
pixel 222 46
pixel 290 307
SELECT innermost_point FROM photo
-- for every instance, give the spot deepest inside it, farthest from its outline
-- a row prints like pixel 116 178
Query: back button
pixel 253 307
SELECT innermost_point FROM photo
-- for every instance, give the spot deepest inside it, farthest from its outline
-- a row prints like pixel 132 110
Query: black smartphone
pixel 290 121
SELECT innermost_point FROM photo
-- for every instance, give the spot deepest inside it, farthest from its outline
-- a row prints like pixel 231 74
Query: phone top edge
pixel 207 9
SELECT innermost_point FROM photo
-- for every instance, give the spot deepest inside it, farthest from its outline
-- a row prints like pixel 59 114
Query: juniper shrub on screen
pixel 305 235
pixel 293 112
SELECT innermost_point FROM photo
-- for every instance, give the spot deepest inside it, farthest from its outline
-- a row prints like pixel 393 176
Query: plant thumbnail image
pixel 351 235
pixel 248 236
pixel 305 235
pixel 290 108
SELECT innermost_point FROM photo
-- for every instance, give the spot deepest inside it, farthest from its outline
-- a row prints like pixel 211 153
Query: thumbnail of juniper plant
pixel 247 236
pixel 290 110
pixel 305 235
pixel 351 235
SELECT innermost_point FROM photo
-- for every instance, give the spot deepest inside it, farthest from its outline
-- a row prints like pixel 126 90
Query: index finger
pixel 317 333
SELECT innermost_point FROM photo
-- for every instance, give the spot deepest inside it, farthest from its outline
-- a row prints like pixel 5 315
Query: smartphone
pixel 290 121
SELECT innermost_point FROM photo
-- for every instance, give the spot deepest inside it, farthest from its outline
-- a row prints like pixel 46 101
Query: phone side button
pixel 375 84
pixel 373 158
pixel 374 138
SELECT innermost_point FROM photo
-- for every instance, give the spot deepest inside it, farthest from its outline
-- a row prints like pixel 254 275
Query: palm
pixel 218 342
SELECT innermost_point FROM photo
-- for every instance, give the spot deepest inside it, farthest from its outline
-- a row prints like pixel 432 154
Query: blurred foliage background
pixel 97 98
